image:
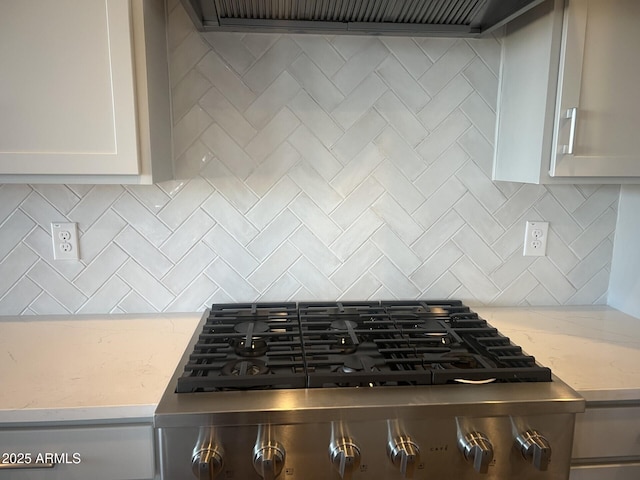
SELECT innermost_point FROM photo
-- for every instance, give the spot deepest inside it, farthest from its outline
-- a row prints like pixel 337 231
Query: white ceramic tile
pixel 409 54
pixel 187 93
pixel 481 187
pixel 191 265
pixel 273 202
pixel 314 152
pixel 353 267
pixel 138 248
pixel 359 101
pixel 559 287
pixel 233 285
pixel 405 158
pixel 101 270
pixel 483 80
pixel 476 249
pixel 445 102
pixel 315 219
pixel 222 111
pixel 478 218
pixel 447 67
pixel 361 64
pixel 19 297
pixel 186 201
pixel 225 182
pixel 272 135
pixel 145 285
pixel 338 176
pixel 57 286
pixel 230 218
pixel 399 115
pixel 272 169
pixel 13 230
pixel 358 136
pixel 314 280
pixel 271 101
pixel 396 250
pixel 403 84
pixel 107 297
pixel 232 252
pixel 316 119
pixel 359 168
pixel 402 190
pixel 185 56
pixel 94 204
pixel 321 52
pixel 228 151
pixel 235 52
pixel 316 84
pixel 145 222
pixel 189 128
pixel 356 235
pixel 315 251
pixel 359 200
pixel 315 187
pixel 226 80
pixel 397 218
pixel 276 265
pixel 394 279
pixel 274 234
pixel 62 198
pixel 268 67
pixel 12 196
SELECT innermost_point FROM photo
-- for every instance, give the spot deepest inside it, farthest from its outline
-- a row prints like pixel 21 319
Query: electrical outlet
pixel 65 241
pixel 535 239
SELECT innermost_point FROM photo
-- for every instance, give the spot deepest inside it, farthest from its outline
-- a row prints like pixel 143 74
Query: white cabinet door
pixel 101 452
pixel 598 111
pixel 67 103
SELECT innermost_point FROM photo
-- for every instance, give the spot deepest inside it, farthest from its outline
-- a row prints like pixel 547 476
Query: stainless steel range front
pixel 362 390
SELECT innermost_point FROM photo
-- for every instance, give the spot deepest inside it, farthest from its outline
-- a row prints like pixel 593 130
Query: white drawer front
pixel 97 452
pixel 607 432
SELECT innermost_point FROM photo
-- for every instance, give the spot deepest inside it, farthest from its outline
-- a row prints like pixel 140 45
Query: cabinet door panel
pixel 67 88
pixel 122 452
pixel 599 75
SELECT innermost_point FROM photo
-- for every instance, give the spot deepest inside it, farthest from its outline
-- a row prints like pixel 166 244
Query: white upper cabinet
pixel 569 111
pixel 76 89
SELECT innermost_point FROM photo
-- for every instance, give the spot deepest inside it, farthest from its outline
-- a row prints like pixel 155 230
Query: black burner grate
pixel 356 344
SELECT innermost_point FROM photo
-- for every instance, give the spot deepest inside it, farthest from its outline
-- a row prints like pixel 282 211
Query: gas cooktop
pixel 352 344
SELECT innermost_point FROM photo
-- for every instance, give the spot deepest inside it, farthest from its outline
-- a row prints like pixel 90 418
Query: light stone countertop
pixel 88 368
pixel 596 350
pixel 98 368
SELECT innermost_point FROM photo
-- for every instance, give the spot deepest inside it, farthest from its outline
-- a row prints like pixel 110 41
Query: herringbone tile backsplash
pixel 313 167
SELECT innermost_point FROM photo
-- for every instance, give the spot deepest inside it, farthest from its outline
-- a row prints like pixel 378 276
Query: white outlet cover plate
pixel 535 239
pixel 63 236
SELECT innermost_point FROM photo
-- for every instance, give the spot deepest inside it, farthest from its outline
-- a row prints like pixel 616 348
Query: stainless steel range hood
pixel 451 18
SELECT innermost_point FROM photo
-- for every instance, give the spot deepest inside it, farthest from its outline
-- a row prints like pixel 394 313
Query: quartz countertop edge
pixel 115 368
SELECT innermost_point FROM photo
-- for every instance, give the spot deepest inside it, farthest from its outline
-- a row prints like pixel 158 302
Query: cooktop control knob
pixel 268 459
pixel 405 454
pixel 207 462
pixel 477 449
pixel 345 456
pixel 535 448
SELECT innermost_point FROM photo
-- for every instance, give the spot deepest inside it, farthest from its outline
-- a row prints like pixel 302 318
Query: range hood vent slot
pixel 453 18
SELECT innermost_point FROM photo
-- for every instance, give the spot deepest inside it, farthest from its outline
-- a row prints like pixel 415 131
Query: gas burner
pixel 438 337
pixel 244 367
pixel 358 363
pixel 346 339
pixel 250 345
